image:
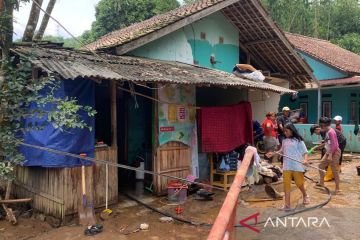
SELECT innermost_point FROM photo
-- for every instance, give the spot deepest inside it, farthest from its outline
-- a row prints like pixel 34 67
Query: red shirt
pixel 269 132
pixel 339 127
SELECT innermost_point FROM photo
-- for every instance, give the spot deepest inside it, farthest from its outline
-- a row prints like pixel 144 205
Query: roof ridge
pixel 304 36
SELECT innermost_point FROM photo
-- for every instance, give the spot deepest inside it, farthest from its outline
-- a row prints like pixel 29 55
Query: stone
pixel 166 219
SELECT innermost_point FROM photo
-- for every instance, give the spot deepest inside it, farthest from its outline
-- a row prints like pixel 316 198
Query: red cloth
pixel 339 127
pixel 268 133
pixel 223 129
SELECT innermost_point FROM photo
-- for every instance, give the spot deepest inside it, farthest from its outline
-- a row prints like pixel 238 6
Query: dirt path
pixel 342 213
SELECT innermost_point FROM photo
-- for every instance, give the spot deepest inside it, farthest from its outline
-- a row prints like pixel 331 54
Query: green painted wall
pixel 196 43
pixel 353 142
pixel 321 70
pixel 340 99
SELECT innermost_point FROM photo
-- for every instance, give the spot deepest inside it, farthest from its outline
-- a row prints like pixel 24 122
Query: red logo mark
pixel 242 222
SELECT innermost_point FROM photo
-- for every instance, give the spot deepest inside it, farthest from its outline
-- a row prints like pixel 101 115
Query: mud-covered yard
pixel 342 214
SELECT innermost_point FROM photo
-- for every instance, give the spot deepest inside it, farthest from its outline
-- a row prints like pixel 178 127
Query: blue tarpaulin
pixel 74 141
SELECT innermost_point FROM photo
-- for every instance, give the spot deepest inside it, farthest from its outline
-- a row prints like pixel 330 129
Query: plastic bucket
pixel 358 170
pixel 177 192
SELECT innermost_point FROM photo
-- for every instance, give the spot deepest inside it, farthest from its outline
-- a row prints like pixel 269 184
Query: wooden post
pixel 113 115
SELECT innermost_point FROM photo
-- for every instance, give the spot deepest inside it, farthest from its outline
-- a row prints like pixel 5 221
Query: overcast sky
pixel 75 15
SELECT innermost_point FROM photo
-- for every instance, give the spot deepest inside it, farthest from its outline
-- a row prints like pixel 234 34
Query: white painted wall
pixel 263 102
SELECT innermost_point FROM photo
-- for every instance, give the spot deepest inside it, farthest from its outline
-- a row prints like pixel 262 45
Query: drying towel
pixel 223 129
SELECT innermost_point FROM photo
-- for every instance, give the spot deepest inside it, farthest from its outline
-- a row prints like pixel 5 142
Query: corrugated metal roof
pixel 71 64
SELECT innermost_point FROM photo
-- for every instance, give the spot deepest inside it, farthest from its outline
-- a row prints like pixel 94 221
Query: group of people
pixel 282 138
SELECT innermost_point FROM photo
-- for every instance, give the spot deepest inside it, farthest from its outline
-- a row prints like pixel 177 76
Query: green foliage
pixel 112 15
pixel 68 42
pixel 325 19
pixel 18 91
pixel 350 41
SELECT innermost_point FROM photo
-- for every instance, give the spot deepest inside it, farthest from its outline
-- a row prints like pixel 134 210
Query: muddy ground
pixel 342 214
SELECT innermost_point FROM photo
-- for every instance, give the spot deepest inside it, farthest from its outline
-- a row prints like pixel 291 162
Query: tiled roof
pixel 327 52
pixel 71 64
pixel 140 29
pixel 340 81
pixel 260 36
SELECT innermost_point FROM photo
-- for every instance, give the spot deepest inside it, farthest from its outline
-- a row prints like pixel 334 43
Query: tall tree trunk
pixel 32 22
pixel 6 32
pixel 44 22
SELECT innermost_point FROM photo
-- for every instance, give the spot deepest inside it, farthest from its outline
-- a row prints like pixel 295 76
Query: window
pixel 353 111
pixel 326 109
pixel 304 109
pixel 202 36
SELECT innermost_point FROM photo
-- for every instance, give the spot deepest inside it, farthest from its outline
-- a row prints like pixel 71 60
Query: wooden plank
pixel 113 115
pixel 127 47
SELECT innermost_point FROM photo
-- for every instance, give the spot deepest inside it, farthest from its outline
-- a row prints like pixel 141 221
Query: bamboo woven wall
pixel 57 191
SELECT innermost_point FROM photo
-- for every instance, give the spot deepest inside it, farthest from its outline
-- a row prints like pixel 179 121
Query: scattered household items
pixel 258 137
pixel 10 216
pixel 177 192
pixel 93 230
pixel 248 71
pixel 166 219
pixel 179 210
pixel 86 211
pixel 204 195
pixel 222 129
pixel 220 178
pixel 269 173
pixel 271 192
pixel 105 214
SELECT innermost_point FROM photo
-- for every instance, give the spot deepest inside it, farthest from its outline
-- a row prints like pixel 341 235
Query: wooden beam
pixel 261 41
pixel 281 35
pixel 127 47
pixel 113 114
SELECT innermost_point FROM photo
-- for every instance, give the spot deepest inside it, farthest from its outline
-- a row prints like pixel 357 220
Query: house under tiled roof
pixel 259 36
pixel 327 52
pixel 72 64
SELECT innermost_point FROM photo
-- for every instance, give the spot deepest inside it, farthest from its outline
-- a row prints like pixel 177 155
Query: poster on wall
pixel 177 118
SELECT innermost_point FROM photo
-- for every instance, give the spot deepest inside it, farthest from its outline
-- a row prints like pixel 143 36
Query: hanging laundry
pixel 223 129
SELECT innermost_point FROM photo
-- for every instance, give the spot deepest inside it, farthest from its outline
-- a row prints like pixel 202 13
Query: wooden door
pixel 172 158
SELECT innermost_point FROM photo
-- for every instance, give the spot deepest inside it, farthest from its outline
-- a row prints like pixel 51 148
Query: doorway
pixel 134 126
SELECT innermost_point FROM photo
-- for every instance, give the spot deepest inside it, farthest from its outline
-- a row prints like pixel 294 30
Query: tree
pixel 19 89
pixel 32 21
pixel 39 35
pixel 350 41
pixel 112 15
pixel 325 19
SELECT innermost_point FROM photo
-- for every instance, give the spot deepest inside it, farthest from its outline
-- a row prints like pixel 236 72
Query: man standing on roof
pixel 282 121
pixel 338 120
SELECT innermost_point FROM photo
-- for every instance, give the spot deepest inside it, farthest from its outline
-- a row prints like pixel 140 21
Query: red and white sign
pixel 167 129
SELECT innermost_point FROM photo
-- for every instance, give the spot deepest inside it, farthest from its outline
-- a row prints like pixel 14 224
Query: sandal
pixel 93 230
pixel 285 208
pixel 306 200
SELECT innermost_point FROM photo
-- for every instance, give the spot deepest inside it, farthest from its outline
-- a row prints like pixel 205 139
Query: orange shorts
pixel 290 175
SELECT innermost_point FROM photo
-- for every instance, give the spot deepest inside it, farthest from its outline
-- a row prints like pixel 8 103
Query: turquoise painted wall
pixel 353 142
pixel 187 45
pixel 322 71
pixel 340 99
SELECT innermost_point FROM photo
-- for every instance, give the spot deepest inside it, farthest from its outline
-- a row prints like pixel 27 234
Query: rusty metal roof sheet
pixel 71 64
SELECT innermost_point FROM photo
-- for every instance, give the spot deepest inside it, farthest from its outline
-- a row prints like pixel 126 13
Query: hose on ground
pixel 292 213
